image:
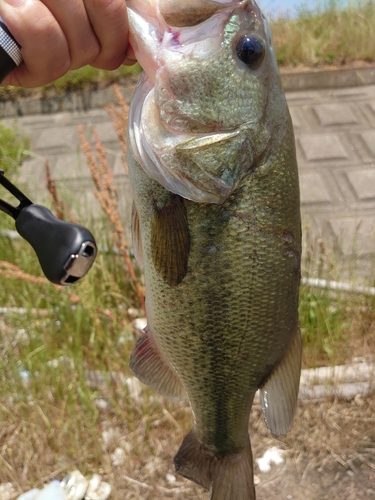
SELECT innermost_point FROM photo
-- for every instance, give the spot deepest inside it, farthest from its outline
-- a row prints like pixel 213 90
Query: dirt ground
pixel 329 453
pixel 287 482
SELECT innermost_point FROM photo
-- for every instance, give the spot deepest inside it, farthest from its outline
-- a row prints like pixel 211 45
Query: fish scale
pixel 216 219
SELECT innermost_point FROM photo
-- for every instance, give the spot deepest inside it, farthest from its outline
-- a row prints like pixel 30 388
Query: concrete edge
pixel 79 101
pixel 84 100
pixel 331 78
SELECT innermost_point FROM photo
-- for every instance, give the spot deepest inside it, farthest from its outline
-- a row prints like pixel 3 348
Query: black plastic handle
pixel 65 251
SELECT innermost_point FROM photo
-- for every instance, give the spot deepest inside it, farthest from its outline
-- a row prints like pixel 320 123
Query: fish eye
pixel 250 50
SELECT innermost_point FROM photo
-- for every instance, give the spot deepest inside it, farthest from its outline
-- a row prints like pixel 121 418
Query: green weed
pixel 13 148
pixel 328 34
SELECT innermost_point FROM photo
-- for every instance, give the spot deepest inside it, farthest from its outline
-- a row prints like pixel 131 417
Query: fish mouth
pixel 172 24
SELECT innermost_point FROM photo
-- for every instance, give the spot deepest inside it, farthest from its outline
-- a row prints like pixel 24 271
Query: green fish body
pixel 216 224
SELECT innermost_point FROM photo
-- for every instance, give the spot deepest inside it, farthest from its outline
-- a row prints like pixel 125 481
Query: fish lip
pixel 144 38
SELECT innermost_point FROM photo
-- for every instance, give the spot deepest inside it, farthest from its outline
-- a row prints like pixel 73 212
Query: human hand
pixel 60 35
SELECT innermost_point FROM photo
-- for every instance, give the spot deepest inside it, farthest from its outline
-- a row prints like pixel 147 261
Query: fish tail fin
pixel 234 477
pixel 228 477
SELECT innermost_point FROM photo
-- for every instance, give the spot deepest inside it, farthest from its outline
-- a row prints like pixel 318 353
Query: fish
pixel 216 226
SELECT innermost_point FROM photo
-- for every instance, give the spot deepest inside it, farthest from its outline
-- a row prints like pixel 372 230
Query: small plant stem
pixel 107 197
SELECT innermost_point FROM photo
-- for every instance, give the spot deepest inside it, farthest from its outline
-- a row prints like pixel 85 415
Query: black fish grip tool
pixel 66 251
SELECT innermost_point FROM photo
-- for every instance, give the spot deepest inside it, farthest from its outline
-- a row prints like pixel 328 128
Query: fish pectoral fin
pixel 170 240
pixel 206 141
pixel 149 366
pixel 278 396
pixel 136 235
pixel 228 477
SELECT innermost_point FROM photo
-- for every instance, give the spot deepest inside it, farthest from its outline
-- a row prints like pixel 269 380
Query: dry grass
pixel 60 208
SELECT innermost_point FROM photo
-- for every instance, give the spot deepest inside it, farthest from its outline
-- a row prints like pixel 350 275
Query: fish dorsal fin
pixel 150 367
pixel 170 240
pixel 278 396
pixel 136 235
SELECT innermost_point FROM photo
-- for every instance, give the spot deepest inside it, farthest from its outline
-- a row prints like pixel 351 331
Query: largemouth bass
pixel 216 223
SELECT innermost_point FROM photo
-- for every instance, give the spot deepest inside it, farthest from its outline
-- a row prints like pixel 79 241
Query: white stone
pixel 52 491
pixel 102 404
pixel 98 489
pixel 75 485
pixel 110 436
pixel 135 388
pixel 140 324
pixel 171 478
pixel 272 456
pixel 7 491
pixel 29 495
pixel 118 457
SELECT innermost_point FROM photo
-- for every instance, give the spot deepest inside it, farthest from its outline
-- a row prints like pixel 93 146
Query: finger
pixel 130 54
pixel 43 44
pixel 72 17
pixel 129 61
pixel 109 21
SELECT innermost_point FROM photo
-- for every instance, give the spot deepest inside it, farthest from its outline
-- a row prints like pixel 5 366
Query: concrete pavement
pixel 335 140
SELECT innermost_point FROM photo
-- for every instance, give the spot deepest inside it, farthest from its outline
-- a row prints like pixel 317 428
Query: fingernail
pixel 14 3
